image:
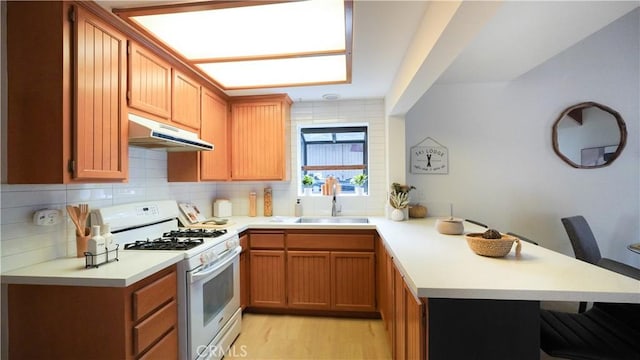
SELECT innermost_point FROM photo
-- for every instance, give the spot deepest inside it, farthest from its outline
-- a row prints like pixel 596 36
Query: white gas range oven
pixel 209 316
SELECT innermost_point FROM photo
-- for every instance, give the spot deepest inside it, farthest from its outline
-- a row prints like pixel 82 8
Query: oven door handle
pixel 221 263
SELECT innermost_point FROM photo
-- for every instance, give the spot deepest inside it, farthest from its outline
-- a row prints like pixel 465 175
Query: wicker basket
pixel 492 247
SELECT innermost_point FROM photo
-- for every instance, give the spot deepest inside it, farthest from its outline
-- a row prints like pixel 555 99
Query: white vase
pixel 307 191
pixel 397 215
pixel 359 190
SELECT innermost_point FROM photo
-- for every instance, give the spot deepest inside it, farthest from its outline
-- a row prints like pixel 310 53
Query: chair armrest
pixel 620 268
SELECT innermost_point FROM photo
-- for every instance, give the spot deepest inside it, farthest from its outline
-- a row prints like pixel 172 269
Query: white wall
pixel 22 243
pixel 503 170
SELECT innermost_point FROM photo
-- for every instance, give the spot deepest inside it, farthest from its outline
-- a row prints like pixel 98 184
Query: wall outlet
pixel 46 217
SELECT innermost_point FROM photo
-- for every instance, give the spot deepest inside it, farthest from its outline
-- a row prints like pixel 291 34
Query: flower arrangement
pixel 399 197
pixel 359 180
pixel 307 181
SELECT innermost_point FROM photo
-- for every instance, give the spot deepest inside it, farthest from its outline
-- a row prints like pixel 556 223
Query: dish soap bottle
pixel 95 246
pixel 298 208
pixel 105 231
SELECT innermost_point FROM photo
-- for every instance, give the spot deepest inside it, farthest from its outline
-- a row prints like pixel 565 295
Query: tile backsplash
pixel 23 243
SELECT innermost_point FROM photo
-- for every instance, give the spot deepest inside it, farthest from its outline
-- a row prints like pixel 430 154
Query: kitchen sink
pixel 332 220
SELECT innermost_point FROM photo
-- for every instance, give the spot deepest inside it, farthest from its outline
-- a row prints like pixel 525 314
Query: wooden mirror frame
pixel 573 112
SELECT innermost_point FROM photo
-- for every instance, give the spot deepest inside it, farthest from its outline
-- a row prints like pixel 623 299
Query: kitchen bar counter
pixel 132 267
pixel 443 266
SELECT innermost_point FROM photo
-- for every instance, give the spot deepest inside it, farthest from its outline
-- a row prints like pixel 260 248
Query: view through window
pixel 338 152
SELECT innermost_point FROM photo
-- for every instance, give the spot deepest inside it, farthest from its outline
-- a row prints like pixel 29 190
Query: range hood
pixel 151 134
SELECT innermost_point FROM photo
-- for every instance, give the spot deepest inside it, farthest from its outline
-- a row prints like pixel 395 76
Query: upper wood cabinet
pixel 66 95
pixel 185 101
pixel 149 82
pixel 215 129
pixel 260 137
pixel 205 165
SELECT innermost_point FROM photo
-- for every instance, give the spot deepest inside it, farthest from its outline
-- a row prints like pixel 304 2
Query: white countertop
pixel 433 265
pixel 443 266
pixel 131 267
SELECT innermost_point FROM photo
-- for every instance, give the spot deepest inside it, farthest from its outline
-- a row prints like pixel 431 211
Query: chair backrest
pixel 522 238
pixel 582 240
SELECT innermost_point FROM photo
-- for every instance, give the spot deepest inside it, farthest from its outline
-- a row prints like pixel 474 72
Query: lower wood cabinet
pixel 353 281
pixel 309 279
pixel 323 270
pixel 404 315
pixel 83 322
pixel 267 278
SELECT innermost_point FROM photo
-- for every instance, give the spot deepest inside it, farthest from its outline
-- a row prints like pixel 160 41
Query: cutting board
pixel 191 214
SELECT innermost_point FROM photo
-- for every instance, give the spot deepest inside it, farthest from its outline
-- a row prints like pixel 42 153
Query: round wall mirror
pixel 589 135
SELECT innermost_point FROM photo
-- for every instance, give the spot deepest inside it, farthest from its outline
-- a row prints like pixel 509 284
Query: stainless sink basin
pixel 332 220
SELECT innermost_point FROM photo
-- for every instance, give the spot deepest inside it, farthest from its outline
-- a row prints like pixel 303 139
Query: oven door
pixel 213 297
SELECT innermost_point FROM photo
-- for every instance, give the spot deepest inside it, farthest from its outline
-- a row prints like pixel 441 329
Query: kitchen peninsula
pixel 460 296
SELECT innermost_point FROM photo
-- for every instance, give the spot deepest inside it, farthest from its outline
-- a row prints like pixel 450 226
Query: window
pixel 339 152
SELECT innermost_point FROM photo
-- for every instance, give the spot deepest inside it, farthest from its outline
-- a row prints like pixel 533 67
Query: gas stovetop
pixel 181 239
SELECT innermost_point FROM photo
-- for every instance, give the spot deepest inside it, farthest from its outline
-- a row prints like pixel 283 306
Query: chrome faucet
pixel 335 208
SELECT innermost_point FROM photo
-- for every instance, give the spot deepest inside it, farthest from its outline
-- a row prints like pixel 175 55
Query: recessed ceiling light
pixel 331 96
pixel 263 44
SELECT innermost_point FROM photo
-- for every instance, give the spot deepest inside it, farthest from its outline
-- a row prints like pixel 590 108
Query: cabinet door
pixel 259 140
pixel 244 271
pixel 399 316
pixel 149 82
pixel 268 278
pixel 185 104
pixel 384 287
pixel 100 122
pixel 353 281
pixel 214 129
pixel 415 325
pixel 308 279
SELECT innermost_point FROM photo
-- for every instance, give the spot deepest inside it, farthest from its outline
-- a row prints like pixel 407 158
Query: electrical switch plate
pixel 46 217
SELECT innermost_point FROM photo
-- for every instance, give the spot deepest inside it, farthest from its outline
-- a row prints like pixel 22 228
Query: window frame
pixel 334 129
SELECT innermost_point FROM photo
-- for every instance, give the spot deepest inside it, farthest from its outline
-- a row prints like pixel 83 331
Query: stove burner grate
pixel 165 243
pixel 201 233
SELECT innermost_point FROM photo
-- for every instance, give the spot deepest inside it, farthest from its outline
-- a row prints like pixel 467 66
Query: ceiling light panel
pixel 299 27
pixel 278 72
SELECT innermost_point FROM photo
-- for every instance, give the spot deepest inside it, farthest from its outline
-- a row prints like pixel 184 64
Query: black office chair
pixel 522 238
pixel 586 249
pixel 606 331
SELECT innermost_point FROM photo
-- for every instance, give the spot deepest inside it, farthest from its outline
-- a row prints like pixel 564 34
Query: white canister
pixel 450 226
pixel 222 208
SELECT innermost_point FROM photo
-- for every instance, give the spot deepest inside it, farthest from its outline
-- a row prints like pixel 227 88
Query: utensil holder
pixel 81 242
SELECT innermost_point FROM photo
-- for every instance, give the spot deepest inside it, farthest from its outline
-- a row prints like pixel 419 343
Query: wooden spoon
pixel 73 214
pixel 83 215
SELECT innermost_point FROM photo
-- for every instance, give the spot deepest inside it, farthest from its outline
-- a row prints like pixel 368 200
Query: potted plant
pixel 359 181
pixel 399 200
pixel 307 183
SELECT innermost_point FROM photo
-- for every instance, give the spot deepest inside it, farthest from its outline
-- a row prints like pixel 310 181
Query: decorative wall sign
pixel 429 159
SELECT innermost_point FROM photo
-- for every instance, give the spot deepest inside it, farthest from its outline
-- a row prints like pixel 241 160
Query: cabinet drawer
pixel 167 348
pixel 153 295
pixel 330 241
pixel 151 329
pixel 267 240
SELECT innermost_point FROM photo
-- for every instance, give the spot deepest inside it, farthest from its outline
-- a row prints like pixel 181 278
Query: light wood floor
pixel 309 337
